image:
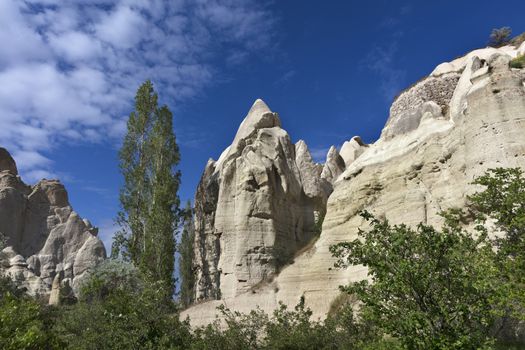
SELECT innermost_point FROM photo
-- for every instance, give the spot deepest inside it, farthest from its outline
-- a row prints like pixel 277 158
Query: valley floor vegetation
pixel 448 288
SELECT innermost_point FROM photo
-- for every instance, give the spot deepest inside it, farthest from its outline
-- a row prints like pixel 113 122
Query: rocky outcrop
pixel 44 236
pixel 257 206
pixel 466 117
pixel 352 149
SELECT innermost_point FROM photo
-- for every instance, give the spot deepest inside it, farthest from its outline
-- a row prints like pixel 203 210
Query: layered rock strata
pixel 467 116
pixel 44 237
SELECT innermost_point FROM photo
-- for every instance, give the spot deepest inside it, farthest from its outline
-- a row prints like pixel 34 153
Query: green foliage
pixel 24 323
pixel 186 251
pixel 117 310
pixel 288 329
pixel 503 202
pixel 500 36
pixel 518 62
pixel 149 200
pixel 111 276
pixel 430 289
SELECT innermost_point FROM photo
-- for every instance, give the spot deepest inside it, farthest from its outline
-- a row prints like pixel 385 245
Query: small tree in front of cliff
pixel 503 202
pixel 186 251
pixel 499 36
pixel 429 288
pixel 148 198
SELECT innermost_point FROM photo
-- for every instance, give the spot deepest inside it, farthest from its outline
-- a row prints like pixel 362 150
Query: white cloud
pixel 69 70
pixel 75 46
pixel 123 27
pixel 381 61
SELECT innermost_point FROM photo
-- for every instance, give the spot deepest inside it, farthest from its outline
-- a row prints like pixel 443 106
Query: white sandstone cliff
pixel 467 116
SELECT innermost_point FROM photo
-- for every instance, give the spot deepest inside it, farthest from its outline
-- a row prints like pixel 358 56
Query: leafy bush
pixel 503 202
pixel 24 323
pixel 518 62
pixel 111 276
pixel 429 288
pixel 289 329
pixel 120 310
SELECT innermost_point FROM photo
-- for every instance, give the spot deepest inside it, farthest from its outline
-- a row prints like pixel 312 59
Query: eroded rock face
pixel 255 207
pixel 466 117
pixel 45 237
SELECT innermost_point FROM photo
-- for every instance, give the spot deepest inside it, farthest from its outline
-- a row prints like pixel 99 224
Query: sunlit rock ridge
pixel 47 243
pixel 258 205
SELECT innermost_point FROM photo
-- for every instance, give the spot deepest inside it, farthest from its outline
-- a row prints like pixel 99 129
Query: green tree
pixel 186 251
pixel 500 36
pixel 502 201
pixel 24 322
pixel 119 309
pixel 288 330
pixel 431 289
pixel 149 200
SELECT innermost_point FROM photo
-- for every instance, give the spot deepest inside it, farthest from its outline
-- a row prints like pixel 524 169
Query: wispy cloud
pixel 286 77
pixel 69 70
pixel 381 59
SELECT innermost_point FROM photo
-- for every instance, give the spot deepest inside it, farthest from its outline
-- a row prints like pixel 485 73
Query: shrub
pixel 24 323
pixel 118 309
pixel 111 276
pixel 518 62
pixel 431 289
pixel 500 36
pixel 289 329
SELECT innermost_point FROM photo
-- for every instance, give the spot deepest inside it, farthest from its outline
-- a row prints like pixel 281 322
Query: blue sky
pixel 69 71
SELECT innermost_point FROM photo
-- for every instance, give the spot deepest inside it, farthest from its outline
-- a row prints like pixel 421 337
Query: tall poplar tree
pixel 148 198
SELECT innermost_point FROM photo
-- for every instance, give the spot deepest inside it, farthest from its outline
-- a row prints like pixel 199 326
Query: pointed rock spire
pixel 302 151
pixel 334 165
pixel 259 116
pixel 310 172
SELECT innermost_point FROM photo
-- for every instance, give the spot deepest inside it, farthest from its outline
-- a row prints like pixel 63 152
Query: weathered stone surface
pixel 255 207
pixel 334 165
pixel 417 168
pixel 45 237
pixel 352 149
pixel 408 108
pixel 316 188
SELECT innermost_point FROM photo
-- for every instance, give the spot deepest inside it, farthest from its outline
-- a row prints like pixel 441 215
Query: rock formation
pixel 44 236
pixel 467 116
pixel 256 206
